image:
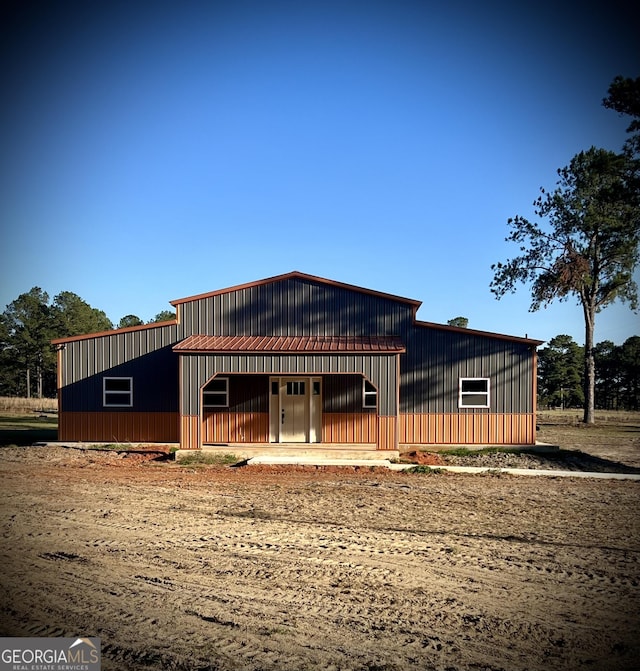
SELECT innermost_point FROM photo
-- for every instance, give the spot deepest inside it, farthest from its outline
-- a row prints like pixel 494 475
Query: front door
pixel 294 412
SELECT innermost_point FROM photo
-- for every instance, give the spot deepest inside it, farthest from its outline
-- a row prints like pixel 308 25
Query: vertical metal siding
pixel 295 307
pixel 436 360
pixel 343 393
pixel 145 355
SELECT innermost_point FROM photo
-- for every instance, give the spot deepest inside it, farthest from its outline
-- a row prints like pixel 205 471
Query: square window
pixel 473 392
pixel 117 392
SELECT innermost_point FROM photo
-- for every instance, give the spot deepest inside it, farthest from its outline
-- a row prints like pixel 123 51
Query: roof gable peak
pixel 296 274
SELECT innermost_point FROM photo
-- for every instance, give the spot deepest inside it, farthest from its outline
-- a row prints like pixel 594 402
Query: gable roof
pixel 296 274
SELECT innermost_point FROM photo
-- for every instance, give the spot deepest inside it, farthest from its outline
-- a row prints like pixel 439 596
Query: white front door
pixel 295 410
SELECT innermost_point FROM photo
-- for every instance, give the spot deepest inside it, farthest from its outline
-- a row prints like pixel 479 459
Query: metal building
pixel 297 359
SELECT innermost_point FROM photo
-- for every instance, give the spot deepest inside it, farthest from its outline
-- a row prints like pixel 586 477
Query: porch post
pixel 388 429
pixel 189 422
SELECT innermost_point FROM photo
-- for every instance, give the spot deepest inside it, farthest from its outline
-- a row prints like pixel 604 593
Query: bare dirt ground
pixel 260 569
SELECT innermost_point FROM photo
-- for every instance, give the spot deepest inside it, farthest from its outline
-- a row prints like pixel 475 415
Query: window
pixel 474 392
pixel 216 393
pixel 117 392
pixel 369 395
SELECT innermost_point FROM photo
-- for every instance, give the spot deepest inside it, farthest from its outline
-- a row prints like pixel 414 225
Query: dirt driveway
pixel 291 569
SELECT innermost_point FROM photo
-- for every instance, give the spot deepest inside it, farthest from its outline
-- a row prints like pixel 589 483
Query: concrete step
pixel 272 460
pixel 366 453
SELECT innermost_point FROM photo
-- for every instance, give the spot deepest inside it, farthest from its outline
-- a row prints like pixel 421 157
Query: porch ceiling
pixel 328 344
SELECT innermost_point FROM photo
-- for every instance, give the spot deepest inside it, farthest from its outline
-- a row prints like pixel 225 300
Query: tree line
pixel 617 374
pixel 31 322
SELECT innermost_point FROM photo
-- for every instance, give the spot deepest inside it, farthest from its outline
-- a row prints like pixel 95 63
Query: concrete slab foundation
pixel 360 452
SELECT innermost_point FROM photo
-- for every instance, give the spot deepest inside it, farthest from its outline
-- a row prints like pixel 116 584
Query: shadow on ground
pixel 577 460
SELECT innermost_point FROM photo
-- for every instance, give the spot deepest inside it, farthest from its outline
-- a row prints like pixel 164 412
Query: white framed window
pixel 117 392
pixel 369 395
pixel 216 393
pixel 473 392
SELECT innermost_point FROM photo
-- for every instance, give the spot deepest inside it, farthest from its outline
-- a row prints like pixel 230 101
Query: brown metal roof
pixel 126 329
pixel 488 334
pixel 371 344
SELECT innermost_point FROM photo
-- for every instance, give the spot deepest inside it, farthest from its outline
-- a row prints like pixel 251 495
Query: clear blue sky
pixel 151 151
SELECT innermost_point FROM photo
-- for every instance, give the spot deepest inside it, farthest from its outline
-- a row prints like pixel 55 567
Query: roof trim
pixel 127 329
pixel 197 344
pixel 296 274
pixel 475 332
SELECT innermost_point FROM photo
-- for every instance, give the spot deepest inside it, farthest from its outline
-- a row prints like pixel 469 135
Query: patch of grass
pixel 27 429
pixel 422 468
pixel 199 458
pixel 469 452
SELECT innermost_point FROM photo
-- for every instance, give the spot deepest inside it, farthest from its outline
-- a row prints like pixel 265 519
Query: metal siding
pixel 145 355
pixel 247 394
pixel 435 360
pixel 295 307
pixel 343 393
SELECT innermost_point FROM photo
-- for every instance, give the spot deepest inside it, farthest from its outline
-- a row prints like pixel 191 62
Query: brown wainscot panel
pixel 189 434
pixel 235 427
pixel 349 427
pixel 119 427
pixel 468 429
pixel 387 433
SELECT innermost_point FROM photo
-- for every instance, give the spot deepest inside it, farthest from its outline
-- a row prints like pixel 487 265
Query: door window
pixel 295 388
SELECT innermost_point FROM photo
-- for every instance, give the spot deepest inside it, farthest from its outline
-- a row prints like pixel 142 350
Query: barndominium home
pixel 297 359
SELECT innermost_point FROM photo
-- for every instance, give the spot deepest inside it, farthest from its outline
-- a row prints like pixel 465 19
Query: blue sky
pixel 152 151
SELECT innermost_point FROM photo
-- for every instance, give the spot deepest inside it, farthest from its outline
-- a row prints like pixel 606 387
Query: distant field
pixel 574 416
pixel 24 421
pixel 11 404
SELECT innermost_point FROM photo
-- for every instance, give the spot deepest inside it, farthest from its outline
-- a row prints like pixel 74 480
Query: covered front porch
pixel 289 393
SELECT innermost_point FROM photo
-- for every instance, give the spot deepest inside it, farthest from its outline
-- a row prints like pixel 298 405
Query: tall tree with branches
pixel 588 248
